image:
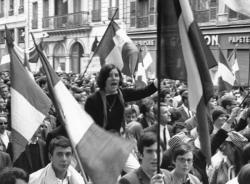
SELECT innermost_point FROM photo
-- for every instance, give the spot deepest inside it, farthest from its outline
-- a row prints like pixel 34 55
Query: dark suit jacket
pixel 137 177
pixel 25 161
pixel 5 160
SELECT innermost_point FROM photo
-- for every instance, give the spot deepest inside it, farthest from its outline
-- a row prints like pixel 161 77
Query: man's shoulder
pixel 33 177
pixel 130 178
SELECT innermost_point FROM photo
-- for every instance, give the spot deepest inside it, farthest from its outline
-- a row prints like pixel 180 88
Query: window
pixel 35 16
pixel 132 14
pixel 21 7
pixel 1 8
pixel 96 12
pixel 11 7
pixel 142 13
pixel 21 35
pixel 2 35
pixel 113 7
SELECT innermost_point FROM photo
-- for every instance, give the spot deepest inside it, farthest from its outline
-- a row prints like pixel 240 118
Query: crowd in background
pixel 229 127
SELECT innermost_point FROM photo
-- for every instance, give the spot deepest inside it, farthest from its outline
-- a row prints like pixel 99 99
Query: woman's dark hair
pixel 181 149
pixel 104 74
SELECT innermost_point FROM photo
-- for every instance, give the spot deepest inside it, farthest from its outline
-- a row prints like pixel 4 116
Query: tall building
pixel 13 14
pixel 226 28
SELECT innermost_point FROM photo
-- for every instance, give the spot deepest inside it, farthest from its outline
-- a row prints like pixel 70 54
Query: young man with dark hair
pixel 146 173
pixel 59 169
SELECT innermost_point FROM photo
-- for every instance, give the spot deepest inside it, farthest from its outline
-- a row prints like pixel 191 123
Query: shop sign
pixel 212 39
pixel 239 39
pixel 145 42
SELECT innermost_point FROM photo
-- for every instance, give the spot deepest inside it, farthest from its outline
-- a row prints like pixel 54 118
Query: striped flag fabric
pixel 140 76
pixel 185 56
pixel 29 104
pixel 102 154
pixel 30 56
pixel 226 77
pixel 233 63
pixel 240 6
pixel 117 48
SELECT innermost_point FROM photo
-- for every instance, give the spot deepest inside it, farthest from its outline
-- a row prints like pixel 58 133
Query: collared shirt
pixel 5 138
pixel 189 113
pixel 166 134
pixel 52 177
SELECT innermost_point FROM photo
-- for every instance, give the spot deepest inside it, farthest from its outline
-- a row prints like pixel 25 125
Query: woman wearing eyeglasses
pixel 182 156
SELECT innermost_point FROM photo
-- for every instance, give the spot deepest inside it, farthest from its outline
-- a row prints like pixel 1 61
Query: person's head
pixel 13 175
pixel 184 98
pixel 4 91
pixel 182 157
pixel 228 103
pixel 147 147
pixel 60 154
pixel 165 115
pixel 2 104
pixel 244 174
pixel 3 124
pixel 109 78
pixel 131 113
pixel 219 117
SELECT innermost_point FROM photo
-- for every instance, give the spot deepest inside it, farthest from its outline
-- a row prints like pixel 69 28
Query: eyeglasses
pixel 183 160
pixel 3 123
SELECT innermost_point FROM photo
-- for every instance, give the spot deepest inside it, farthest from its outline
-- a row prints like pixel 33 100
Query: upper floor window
pixel 21 35
pixel 11 7
pixel 21 6
pixel 142 13
pixel 1 8
pixel 113 7
pixel 96 12
pixel 2 35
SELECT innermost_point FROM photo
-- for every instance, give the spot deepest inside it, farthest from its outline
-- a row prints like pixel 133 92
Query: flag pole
pixel 111 20
pixel 61 116
pixel 248 82
pixel 158 82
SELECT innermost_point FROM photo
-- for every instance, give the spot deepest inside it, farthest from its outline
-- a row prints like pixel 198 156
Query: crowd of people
pixel 118 106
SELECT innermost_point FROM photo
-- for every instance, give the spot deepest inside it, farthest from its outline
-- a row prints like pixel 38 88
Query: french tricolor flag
pixel 102 154
pixel 117 48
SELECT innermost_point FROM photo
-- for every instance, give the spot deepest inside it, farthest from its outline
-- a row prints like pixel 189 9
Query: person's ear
pixel 50 156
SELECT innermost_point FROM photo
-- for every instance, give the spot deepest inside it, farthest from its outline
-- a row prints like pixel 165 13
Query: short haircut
pixel 180 149
pixel 9 175
pixel 244 174
pixel 104 74
pixel 146 105
pixel 226 101
pixel 147 139
pixel 59 141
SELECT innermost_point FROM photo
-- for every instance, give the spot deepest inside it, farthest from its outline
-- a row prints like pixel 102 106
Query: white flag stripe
pixel 77 120
pixel 240 6
pixel 121 38
pixel 147 60
pixel 115 58
pixel 226 74
pixel 25 113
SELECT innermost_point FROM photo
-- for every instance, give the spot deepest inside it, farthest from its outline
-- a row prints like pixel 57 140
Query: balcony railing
pixel 66 21
pixel 111 12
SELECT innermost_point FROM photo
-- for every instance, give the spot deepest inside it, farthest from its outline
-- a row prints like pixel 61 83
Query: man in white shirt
pixel 4 133
pixel 58 171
